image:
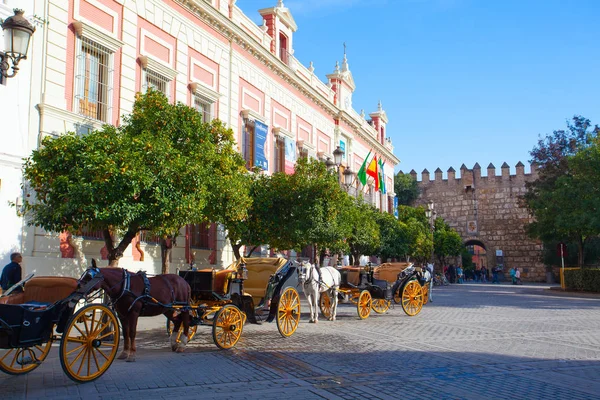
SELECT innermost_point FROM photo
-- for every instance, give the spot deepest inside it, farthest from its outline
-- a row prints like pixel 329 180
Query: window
pixel 248 140
pixel 93 80
pixel 200 235
pixel 279 154
pixel 156 81
pixel 204 106
pixel 147 237
pixel 89 234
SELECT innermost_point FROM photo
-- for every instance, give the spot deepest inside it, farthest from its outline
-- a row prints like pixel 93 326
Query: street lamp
pixel 430 214
pixel 17 35
pixel 348 177
pixel 338 154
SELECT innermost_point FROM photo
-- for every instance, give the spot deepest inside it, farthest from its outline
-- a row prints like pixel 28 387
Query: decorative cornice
pixel 204 91
pixel 282 133
pixel 157 66
pixel 251 114
pixel 111 43
pixel 48 109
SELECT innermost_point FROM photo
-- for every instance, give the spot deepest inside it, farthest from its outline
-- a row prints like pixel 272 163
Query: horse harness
pixel 145 297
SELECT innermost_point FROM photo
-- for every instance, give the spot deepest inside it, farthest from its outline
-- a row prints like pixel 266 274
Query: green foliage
pixel 406 189
pixel 563 199
pixel 395 237
pixel 416 233
pixel 447 242
pixel 583 279
pixel 365 238
pixel 292 211
pixel 157 171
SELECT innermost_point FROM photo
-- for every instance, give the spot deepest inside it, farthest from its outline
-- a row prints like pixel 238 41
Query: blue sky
pixel 462 81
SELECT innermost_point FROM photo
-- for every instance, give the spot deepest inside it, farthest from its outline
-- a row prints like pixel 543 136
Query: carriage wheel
pixel 90 343
pixel 364 303
pixel 380 305
pixel 191 331
pixel 325 305
pixel 397 296
pixel 288 312
pixel 354 297
pixel 425 289
pixel 412 298
pixel 227 326
pixel 22 360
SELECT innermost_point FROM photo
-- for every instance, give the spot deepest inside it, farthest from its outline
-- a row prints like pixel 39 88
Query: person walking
pixel 11 273
pixel 495 272
pixel 513 275
pixel 518 276
pixel 459 273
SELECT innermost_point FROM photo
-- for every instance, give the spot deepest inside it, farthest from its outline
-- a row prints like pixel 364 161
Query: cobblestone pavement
pixel 475 341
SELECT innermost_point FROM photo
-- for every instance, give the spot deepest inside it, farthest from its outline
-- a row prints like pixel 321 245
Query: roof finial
pixel 379 107
pixel 280 3
pixel 345 61
pixel 344 49
pixel 337 67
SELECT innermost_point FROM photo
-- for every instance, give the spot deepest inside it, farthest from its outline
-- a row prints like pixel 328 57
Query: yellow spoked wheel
pixel 380 305
pixel 227 326
pixel 354 297
pixel 412 298
pixel 425 289
pixel 364 303
pixel 191 331
pixel 23 359
pixel 90 343
pixel 288 312
pixel 325 305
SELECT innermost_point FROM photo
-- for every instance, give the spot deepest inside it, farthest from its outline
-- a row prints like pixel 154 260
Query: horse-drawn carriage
pixel 374 287
pixel 251 288
pixel 40 310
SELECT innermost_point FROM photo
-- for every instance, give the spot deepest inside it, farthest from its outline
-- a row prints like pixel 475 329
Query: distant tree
pixel 561 199
pixel 406 189
pixel 418 238
pixel 447 242
pixel 395 237
pixel 365 237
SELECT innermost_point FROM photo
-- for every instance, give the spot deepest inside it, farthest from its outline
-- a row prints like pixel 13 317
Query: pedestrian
pixel 459 273
pixel 495 272
pixel 11 273
pixel 484 278
pixel 452 274
pixel 518 276
pixel 513 275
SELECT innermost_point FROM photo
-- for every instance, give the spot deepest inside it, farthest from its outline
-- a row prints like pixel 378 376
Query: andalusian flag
pixel 382 188
pixel 362 172
pixel 373 171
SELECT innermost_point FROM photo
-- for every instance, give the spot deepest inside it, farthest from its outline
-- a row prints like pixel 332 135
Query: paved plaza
pixel 476 341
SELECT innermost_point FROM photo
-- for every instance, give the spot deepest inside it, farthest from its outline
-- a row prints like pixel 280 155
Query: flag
pixel 382 188
pixel 372 170
pixel 362 172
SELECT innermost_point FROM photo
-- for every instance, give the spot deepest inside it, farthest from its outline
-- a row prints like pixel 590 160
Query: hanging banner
pixel 260 140
pixel 396 207
pixel 290 155
pixel 343 148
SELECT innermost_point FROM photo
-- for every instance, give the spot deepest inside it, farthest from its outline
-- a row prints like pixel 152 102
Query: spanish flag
pixel 373 171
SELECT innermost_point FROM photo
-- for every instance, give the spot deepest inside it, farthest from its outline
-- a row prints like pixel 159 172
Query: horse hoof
pixel 123 356
pixel 174 347
pixel 131 359
pixel 180 350
pixel 316 321
pixel 311 321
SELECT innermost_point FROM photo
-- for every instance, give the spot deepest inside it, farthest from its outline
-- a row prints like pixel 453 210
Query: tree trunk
pixel 166 245
pixel 321 257
pixel 236 250
pixel 115 253
pixel 251 251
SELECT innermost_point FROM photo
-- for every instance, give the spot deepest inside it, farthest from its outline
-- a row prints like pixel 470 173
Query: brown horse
pixel 134 296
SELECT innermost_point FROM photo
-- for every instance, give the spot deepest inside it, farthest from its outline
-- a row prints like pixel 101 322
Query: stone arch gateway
pixel 486 209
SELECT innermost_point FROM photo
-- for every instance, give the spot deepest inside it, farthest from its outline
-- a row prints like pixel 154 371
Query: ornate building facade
pixel 92 56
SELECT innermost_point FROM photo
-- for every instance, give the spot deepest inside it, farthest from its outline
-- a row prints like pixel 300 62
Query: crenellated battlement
pixel 469 176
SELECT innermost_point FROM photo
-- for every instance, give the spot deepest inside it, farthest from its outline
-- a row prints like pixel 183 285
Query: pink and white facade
pixel 96 54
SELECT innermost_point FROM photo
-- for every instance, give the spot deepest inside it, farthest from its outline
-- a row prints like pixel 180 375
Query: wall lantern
pixel 338 153
pixel 17 35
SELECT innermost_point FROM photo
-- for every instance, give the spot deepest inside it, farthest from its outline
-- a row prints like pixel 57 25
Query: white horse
pixel 308 276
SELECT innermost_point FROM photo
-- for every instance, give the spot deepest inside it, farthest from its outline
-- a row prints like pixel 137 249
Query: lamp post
pixel 17 35
pixel 430 214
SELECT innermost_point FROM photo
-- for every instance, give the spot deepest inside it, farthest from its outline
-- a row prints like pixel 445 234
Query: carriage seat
pixel 351 275
pixel 221 280
pixel 259 273
pixel 389 271
pixel 43 289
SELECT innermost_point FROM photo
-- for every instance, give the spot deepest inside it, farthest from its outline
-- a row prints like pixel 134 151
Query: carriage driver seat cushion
pixel 389 271
pixel 49 289
pixel 352 274
pixel 43 289
pixel 221 281
pixel 259 273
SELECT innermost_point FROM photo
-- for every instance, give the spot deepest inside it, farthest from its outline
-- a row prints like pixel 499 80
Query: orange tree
pixel 161 169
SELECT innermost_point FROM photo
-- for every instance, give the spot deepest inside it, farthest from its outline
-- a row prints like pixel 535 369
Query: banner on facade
pixel 343 148
pixel 471 227
pixel 290 155
pixel 396 207
pixel 260 139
